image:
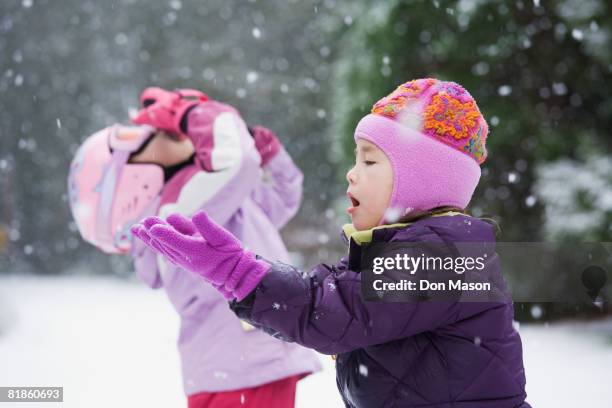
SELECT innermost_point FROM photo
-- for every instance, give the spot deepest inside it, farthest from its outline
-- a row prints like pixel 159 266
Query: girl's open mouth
pixel 354 202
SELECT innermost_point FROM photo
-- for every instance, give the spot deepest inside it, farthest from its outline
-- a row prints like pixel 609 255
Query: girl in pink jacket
pixel 206 158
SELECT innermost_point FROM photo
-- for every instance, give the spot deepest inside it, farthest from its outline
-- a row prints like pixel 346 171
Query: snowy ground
pixel 111 343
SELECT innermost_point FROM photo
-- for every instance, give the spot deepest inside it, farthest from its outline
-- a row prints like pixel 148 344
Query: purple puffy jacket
pixel 418 354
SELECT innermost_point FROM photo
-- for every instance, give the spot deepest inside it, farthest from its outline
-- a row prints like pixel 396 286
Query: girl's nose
pixel 350 175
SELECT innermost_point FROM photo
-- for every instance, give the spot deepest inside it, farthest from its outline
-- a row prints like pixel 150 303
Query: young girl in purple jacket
pixel 418 157
pixel 188 154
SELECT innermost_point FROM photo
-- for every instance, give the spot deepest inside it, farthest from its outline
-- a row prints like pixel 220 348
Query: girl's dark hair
pixel 420 214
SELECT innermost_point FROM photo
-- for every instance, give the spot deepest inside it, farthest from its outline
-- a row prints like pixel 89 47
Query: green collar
pixel 365 236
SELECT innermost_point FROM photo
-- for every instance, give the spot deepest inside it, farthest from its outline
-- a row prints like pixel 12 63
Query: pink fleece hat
pixel 434 135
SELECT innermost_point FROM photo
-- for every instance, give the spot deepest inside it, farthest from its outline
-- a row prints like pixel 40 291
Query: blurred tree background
pixel 71 68
pixel 541 72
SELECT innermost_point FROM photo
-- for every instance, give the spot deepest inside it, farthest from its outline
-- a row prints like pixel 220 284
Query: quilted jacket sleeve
pixel 229 162
pixel 324 310
pixel 280 196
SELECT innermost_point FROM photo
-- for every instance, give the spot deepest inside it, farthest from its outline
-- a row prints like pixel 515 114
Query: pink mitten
pixel 215 254
pixel 164 110
pixel 182 225
pixel 267 143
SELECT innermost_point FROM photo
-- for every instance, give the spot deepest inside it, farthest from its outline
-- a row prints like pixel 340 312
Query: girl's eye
pixel 369 162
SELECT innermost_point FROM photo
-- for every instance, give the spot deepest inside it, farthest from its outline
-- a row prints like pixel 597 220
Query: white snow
pixel 112 343
pixel 560 184
pixel 577 34
pixel 504 90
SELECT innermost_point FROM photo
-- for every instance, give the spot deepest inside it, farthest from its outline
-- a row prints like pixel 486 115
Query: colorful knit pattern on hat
pixel 441 110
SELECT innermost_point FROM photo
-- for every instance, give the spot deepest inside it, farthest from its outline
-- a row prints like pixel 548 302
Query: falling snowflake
pixel 222 375
pixel 504 90
pixel 536 312
pixel 559 88
pixel 241 93
pixel 252 77
pixel 530 201
pixel 577 34
pixel 392 214
pixel 363 370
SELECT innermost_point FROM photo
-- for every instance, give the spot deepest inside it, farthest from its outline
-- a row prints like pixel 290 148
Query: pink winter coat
pixel 218 351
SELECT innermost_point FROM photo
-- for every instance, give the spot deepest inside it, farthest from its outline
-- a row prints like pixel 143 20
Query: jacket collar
pixel 350 233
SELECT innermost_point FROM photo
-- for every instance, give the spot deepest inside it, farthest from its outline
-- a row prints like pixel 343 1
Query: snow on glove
pixel 182 225
pixel 215 254
pixel 267 143
pixel 165 110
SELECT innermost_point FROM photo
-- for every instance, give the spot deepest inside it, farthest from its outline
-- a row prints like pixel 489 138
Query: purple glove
pixel 267 143
pixel 215 254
